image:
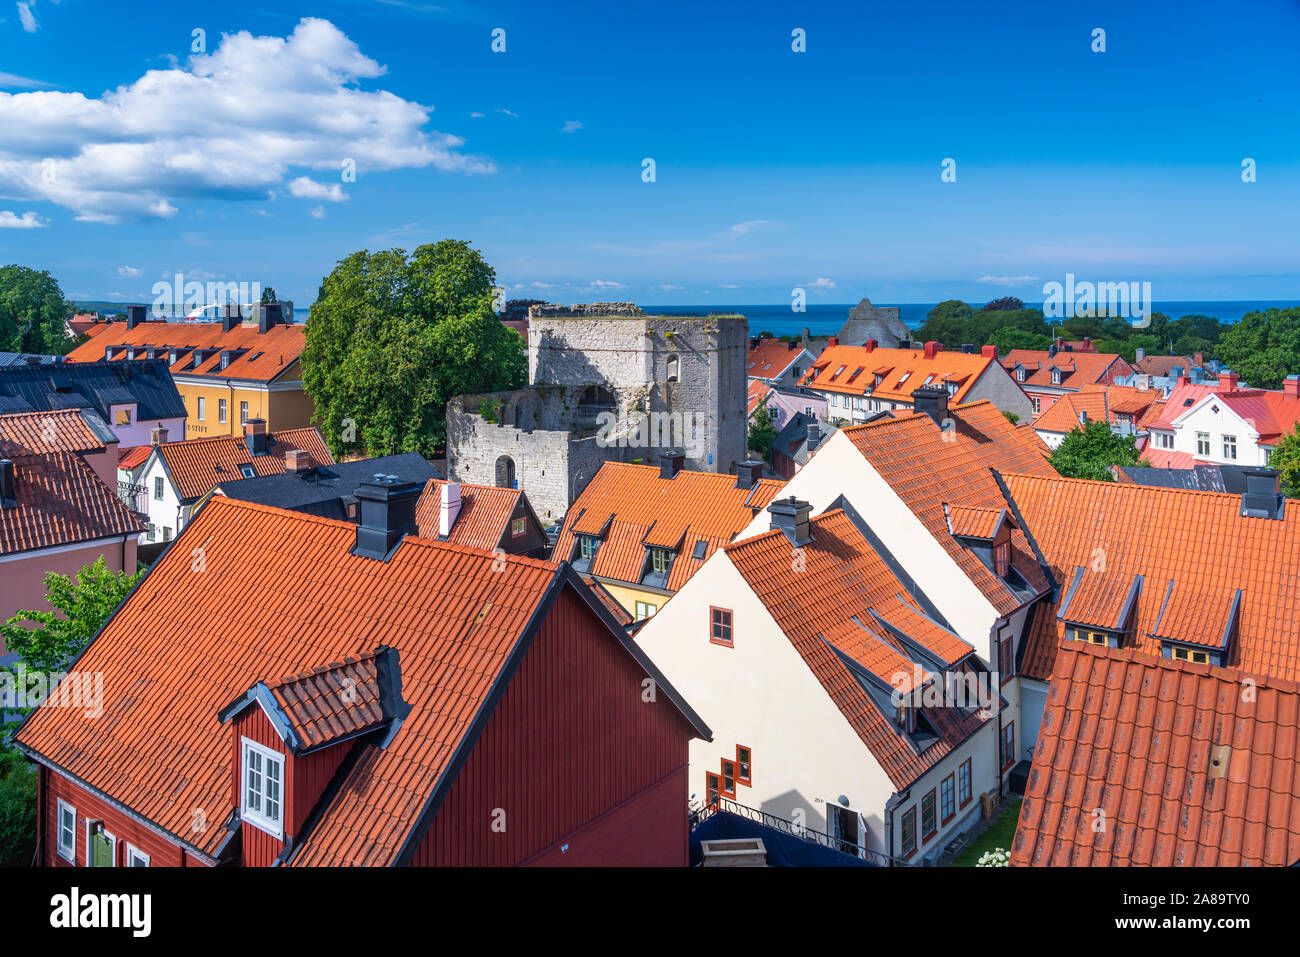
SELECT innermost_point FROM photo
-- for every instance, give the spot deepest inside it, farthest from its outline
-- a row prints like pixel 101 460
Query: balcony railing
pixel 135 497
pixel 701 813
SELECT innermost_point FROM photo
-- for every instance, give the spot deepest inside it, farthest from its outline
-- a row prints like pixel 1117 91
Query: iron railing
pixel 704 812
pixel 135 497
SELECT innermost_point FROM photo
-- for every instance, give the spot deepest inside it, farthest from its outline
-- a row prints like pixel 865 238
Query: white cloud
pixel 669 287
pixel 506 112
pixel 307 188
pixel 129 271
pixel 1008 280
pixel 741 229
pixel 13 80
pixel 728 285
pixel 318 212
pixel 571 126
pixel 230 124
pixel 478 116
pixel 542 285
pixel 822 283
pixel 605 284
pixel 28 220
pixel 25 15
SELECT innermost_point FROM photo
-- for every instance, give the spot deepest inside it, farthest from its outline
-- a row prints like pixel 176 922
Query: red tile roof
pixel 1198 540
pixel 483 519
pixel 1143 761
pixel 1181 398
pixel 132 458
pixel 333 702
pixel 630 507
pixel 1077 368
pixel 758 391
pixel 1270 413
pixel 282 589
pixel 852 370
pixel 620 614
pixel 771 357
pixel 927 467
pixel 266 357
pixel 197 466
pixel 1163 365
pixel 38 432
pixel 843 578
pixel 1102 403
pixel 967 522
pixel 61 501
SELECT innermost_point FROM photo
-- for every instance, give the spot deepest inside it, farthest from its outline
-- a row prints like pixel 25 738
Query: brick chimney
pixel 671 461
pixel 832 341
pixel 870 345
pixel 450 507
pixel 748 473
pixel 158 435
pixel 1291 386
pixel 297 461
pixel 933 348
pixel 387 515
pixel 989 352
pixel 1199 358
pixel 1227 380
pixel 255 436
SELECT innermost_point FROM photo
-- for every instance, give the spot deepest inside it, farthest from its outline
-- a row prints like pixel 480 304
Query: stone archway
pixel 505 472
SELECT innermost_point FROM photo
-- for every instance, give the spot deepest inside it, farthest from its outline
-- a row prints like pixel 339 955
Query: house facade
pixel 1231 425
pixel 1046 375
pixel 778 363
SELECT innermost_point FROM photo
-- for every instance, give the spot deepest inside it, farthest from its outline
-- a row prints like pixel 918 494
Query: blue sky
pixel 774 169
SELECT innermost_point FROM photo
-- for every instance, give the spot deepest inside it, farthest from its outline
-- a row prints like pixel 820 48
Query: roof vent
pixel 387 515
pixel 1262 498
pixel 8 494
pixel 671 461
pixel 450 502
pixel 791 516
pixel 933 401
pixel 748 473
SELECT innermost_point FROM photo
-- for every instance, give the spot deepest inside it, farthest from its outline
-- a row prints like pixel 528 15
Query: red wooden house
pixel 287 689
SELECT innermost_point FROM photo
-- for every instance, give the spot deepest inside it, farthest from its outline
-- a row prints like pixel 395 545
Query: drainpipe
pixel 890 806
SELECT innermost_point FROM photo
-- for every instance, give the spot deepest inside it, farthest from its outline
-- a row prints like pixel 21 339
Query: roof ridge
pixel 1231 674
pixel 1130 488
pixel 738 545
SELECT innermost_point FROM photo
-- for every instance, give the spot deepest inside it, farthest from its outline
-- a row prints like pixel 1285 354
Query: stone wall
pixel 865 321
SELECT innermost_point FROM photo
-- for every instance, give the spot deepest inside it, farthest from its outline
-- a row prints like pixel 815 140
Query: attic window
pixel 1056 377
pixel 838 373
pixel 262 800
pixel 904 377
pixel 1188 654
pixel 1105 639
pixel 1020 375
pixel 247 471
pixel 700 548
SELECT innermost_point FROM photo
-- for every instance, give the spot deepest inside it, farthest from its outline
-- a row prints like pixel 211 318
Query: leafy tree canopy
pixel 268 294
pixel 762 430
pixel 1264 348
pixel 1090 452
pixel 32 312
pixel 1286 459
pixel 1009 337
pixel 1005 304
pixel 392 338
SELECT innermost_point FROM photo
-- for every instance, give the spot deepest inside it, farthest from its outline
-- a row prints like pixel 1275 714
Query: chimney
pixel 1060 343
pixel 1087 343
pixel 933 348
pixel 671 462
pixel 255 436
pixel 33 360
pixel 1176 373
pixel 297 461
pixel 933 401
pixel 1199 358
pixel 1143 382
pixel 1197 376
pixel 968 348
pixel 748 473
pixel 1140 354
pixel 268 315
pixel 832 341
pixel 230 316
pixel 754 341
pixel 1291 386
pixel 870 345
pixel 134 316
pixel 450 507
pixel 1227 380
pixel 387 515
pixel 989 352
pixel 791 516
pixel 904 343
pixel 158 435
pixel 8 492
pixel 789 346
pixel 814 435
pixel 1262 498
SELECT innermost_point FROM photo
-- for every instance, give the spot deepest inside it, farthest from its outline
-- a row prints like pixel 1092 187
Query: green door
pixel 101 849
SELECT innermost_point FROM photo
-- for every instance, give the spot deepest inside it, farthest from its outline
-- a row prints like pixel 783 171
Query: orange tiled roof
pixel 132 458
pixel 927 467
pixel 844 578
pixel 37 432
pixel 484 516
pixel 268 354
pixel 197 466
pixel 630 506
pixel 611 604
pixel 771 357
pixel 1077 368
pixel 1186 769
pixel 1270 413
pixel 60 501
pixel 852 370
pixel 332 702
pixel 1102 403
pixel 1163 365
pixel 757 392
pixel 967 522
pixel 1198 540
pixel 282 588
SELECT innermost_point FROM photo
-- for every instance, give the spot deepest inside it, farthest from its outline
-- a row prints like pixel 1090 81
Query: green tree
pixel 762 430
pixel 1008 338
pixel 392 338
pixel 1090 452
pixel 1011 417
pixel 1006 303
pixel 268 294
pixel 948 322
pixel 33 312
pixel 1264 348
pixel 17 810
pixel 1286 459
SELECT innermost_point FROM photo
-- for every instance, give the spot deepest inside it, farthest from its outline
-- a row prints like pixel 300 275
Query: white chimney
pixel 450 507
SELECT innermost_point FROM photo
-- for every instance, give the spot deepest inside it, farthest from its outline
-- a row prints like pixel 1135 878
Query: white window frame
pixel 255 817
pixel 1226 440
pixel 645 609
pixel 71 854
pixel 221 410
pixel 203 408
pixel 134 852
pixel 243 412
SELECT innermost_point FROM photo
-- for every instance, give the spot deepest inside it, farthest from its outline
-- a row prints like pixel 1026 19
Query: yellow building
pixel 227 372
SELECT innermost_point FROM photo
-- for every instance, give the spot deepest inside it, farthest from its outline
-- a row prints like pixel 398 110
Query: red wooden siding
pixel 572 754
pixel 162 852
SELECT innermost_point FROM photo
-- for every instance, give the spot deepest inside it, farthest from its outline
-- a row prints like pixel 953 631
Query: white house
pixel 1229 425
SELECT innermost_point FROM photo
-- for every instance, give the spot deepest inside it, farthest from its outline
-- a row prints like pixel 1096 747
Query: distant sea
pixel 825 320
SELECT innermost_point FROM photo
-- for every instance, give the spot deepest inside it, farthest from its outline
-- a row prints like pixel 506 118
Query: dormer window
pixel 586 549
pixel 1020 374
pixel 262 804
pixel 1092 636
pixel 659 564
pixel 1056 377
pixel 1189 654
pixel 1002 558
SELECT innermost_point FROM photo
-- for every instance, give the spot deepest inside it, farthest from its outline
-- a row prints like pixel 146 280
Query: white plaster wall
pixel 1202 418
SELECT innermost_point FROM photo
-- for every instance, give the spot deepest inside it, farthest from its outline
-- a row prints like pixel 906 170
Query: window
pixel 67 831
pixel 660 559
pixel 1164 440
pixel 263 776
pixel 1002 558
pixel 136 857
pixel 908 835
pixel 743 762
pixel 153 531
pixel 247 471
pixel 1006 659
pixel 701 547
pixel 720 630
pixel 1034 403
pixel 1020 375
pixel 167 533
pixel 243 413
pixel 711 787
pixel 929 824
pixel 645 610
pixel 963 783
pixel 221 410
pixel 1008 745
pixel 158 488
pixel 1229 446
pixel 1092 637
pixel 947 799
pixel 518 527
pixel 729 779
pixel 1056 377
pixel 1202 443
pixel 587 546
pixel 203 408
pixel 123 417
pixel 1186 654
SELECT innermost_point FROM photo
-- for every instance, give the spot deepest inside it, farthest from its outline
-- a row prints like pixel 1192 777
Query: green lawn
pixel 999 834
